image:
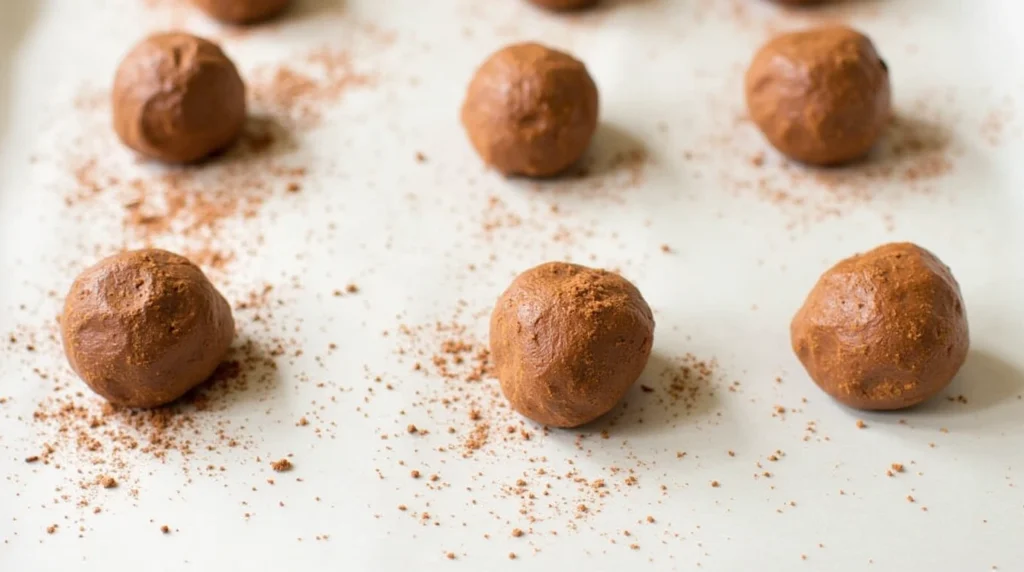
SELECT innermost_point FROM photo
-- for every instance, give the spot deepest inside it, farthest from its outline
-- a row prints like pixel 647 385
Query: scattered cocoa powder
pixel 915 155
pixel 281 465
pixel 298 92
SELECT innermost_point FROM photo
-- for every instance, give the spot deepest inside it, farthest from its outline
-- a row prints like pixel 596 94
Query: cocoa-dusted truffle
pixel 568 341
pixel 531 110
pixel 177 98
pixel 242 11
pixel 883 330
pixel 821 96
pixel 564 5
pixel 142 328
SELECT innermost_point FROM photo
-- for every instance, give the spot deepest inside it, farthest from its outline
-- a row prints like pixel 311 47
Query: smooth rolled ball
pixel 821 96
pixel 242 11
pixel 178 98
pixel 142 328
pixel 531 110
pixel 883 330
pixel 568 341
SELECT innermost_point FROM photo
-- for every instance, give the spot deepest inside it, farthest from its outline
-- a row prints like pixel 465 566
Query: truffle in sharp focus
pixel 144 327
pixel 568 342
pixel 883 330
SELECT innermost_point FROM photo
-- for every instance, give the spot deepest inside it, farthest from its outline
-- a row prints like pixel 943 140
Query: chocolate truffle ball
pixel 242 11
pixel 821 97
pixel 177 98
pixel 564 5
pixel 142 328
pixel 883 330
pixel 531 110
pixel 568 341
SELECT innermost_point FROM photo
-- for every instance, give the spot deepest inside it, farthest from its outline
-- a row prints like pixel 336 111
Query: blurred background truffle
pixel 560 5
pixel 820 96
pixel 242 11
pixel 178 98
pixel 531 110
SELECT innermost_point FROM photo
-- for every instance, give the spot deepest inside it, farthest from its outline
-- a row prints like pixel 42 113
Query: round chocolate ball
pixel 177 98
pixel 564 5
pixel 531 110
pixel 242 11
pixel 883 330
pixel 568 342
pixel 142 328
pixel 821 96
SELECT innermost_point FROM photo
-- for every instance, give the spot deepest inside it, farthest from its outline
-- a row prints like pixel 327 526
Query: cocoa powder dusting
pixel 93 446
pixel 460 413
pixel 916 154
pixel 299 92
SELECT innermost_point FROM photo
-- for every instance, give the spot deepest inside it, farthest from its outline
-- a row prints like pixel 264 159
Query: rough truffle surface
pixel 531 110
pixel 883 330
pixel 821 96
pixel 564 5
pixel 142 328
pixel 568 342
pixel 242 11
pixel 177 98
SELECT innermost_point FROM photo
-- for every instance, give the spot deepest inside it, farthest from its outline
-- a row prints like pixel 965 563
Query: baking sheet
pixel 356 172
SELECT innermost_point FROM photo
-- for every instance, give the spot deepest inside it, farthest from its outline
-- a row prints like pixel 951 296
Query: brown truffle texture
pixel 242 11
pixel 564 5
pixel 821 97
pixel 568 341
pixel 883 330
pixel 531 110
pixel 177 98
pixel 144 327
